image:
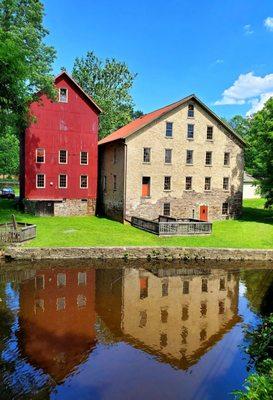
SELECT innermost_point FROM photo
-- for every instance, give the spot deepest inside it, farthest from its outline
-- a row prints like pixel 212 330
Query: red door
pixel 203 216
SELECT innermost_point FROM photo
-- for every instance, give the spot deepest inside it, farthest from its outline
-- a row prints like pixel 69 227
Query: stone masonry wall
pixel 75 207
pixel 184 203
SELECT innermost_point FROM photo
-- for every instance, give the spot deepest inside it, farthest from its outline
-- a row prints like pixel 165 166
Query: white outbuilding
pixel 251 189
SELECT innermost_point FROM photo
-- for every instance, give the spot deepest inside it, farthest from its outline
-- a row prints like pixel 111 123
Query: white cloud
pixel 248 29
pixel 268 23
pixel 248 88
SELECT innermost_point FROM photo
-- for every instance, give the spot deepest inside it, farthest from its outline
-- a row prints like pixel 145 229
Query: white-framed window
pixel 39 305
pixel 207 183
pixel 39 282
pixel 146 154
pixel 188 183
pixel 82 279
pixel 60 303
pixel 61 279
pixel 167 182
pixel 84 158
pixel 167 209
pixel 81 301
pixel 209 132
pixel 83 181
pixel 190 131
pixel 225 209
pixel 63 95
pixel 63 157
pixel 168 156
pixel 226 158
pixel 63 181
pixel 169 129
pixel 189 157
pixel 40 156
pixel 226 183
pixel 208 159
pixel 40 181
pixel 190 111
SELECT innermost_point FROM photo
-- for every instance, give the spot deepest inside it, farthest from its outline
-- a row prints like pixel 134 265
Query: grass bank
pixel 253 230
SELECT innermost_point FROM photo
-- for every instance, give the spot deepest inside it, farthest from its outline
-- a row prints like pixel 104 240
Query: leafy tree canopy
pixel 25 60
pixel 109 83
pixel 9 153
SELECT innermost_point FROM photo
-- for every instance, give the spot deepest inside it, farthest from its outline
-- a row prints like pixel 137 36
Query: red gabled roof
pixel 146 119
pixel 89 98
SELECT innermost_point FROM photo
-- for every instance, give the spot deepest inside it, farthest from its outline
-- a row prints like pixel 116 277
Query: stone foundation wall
pixel 75 207
pixel 148 253
pixel 188 205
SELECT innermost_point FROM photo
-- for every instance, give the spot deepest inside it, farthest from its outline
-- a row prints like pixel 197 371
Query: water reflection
pixel 59 324
pixel 172 314
pixel 56 320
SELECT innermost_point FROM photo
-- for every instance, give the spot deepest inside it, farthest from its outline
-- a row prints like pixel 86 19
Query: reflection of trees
pixel 259 290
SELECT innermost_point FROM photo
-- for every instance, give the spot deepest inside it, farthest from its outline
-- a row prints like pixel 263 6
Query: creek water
pixel 114 330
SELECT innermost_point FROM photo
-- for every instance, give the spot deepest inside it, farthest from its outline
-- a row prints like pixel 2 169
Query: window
pixel 168 156
pixel 60 303
pixel 39 282
pixel 115 156
pixel 62 157
pixel 163 340
pixel 189 157
pixel 226 158
pixel 221 307
pixel 203 308
pixel 40 181
pixel 225 183
pixel 190 133
pixel 147 154
pixel 224 208
pixel 142 319
pixel 203 335
pixel 167 209
pixel 184 334
pixel 169 129
pixel 84 157
pixel 146 186
pixel 61 279
pixel 209 132
pixel 222 285
pixel 188 185
pixel 81 278
pixel 63 181
pixel 63 95
pixel 165 288
pixel 143 286
pixel 40 155
pixel 114 182
pixel 39 305
pixel 164 315
pixel 167 183
pixel 207 183
pixel 190 110
pixel 186 287
pixel 185 313
pixel 84 182
pixel 208 160
pixel 104 183
pixel 204 285
pixel 81 301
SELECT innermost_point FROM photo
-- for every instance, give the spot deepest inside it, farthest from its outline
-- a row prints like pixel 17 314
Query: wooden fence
pixel 22 232
pixel 167 226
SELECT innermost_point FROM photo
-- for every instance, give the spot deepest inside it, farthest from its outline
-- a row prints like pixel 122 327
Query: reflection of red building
pixel 57 319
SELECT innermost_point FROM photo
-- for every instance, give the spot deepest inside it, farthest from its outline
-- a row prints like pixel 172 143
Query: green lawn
pixel 253 230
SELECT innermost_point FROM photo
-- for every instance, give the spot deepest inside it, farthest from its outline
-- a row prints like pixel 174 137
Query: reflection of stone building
pixel 176 317
pixel 57 317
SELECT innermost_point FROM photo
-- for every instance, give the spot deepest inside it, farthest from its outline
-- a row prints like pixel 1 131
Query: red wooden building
pixel 59 153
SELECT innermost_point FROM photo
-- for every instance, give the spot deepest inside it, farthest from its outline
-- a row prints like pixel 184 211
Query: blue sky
pixel 177 47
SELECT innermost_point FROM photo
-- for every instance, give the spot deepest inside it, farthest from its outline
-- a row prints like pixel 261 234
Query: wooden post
pixel 14 222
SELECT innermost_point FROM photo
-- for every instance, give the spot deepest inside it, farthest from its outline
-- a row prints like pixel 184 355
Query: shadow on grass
pixel 9 207
pixel 261 215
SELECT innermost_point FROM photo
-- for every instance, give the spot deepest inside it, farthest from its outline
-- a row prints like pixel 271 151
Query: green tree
pixel 25 60
pixel 260 139
pixel 109 83
pixel 9 153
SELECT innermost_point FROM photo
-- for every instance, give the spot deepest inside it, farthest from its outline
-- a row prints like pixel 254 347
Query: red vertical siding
pixel 71 126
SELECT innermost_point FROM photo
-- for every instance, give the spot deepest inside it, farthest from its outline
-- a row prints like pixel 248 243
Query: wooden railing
pixel 168 226
pixel 22 232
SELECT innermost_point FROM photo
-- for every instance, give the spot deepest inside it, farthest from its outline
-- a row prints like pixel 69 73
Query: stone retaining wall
pixel 160 253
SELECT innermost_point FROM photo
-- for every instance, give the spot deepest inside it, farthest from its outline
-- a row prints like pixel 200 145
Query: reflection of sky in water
pixel 116 365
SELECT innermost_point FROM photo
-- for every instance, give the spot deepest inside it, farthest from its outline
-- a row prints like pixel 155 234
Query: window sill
pixel 188 190
pixel 167 190
pixel 146 163
pixel 210 140
pixel 227 166
pixel 145 197
pixel 190 117
pixel 167 163
pixel 226 190
pixel 189 165
pixel 168 137
pixel 207 190
pixel 208 165
pixel 190 139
